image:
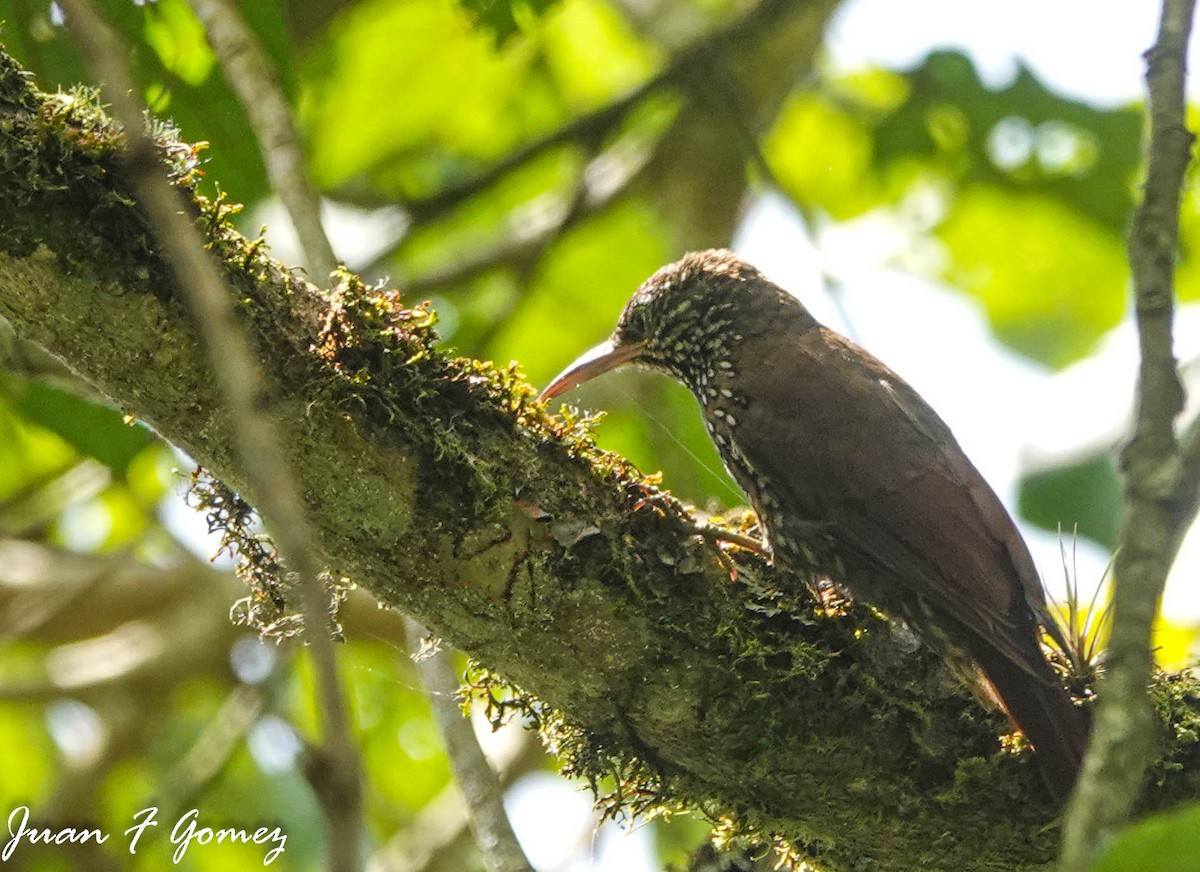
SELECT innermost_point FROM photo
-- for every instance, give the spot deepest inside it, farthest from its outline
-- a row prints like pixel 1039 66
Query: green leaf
pixel 1051 280
pixel 172 64
pixel 580 288
pixel 594 54
pixel 97 431
pixel 505 18
pixel 413 90
pixel 1164 843
pixel 451 103
pixel 821 154
pixel 177 37
pixel 1019 138
pixel 1086 496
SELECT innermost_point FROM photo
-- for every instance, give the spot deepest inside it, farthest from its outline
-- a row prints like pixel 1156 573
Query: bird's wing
pixel 866 452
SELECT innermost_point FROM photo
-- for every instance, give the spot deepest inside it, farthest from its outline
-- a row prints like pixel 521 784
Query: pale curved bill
pixel 590 364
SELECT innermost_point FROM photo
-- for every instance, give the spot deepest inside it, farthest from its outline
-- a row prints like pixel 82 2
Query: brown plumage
pixel 853 475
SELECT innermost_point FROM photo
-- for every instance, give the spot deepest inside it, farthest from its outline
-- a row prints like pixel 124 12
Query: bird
pixel 855 478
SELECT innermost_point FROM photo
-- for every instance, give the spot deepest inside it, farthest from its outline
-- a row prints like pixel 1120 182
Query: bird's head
pixel 682 321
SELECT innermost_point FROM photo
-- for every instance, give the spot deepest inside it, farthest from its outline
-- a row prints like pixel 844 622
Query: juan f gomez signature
pixel 186 832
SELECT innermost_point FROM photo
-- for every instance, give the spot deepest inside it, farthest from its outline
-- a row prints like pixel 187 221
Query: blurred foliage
pixel 504 17
pixel 91 429
pixel 1088 493
pixel 1162 843
pixel 174 65
pixel 121 692
pixel 462 103
pixel 1035 188
pixel 519 162
pixel 1174 644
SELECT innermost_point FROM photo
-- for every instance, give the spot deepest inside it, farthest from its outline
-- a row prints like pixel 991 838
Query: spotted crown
pixel 685 313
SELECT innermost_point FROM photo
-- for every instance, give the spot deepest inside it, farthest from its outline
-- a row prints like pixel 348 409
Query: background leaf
pixel 1162 843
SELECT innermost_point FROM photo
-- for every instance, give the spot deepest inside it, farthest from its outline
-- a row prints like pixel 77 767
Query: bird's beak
pixel 590 364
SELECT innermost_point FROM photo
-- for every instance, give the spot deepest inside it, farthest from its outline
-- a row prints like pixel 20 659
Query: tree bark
pixel 440 485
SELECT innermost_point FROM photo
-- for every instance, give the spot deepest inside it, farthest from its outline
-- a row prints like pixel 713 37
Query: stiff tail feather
pixel 1045 713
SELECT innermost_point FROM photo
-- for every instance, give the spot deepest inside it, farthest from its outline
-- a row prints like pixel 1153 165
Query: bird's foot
pixel 716 534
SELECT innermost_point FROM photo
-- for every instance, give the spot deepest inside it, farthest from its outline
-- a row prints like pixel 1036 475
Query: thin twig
pixel 530 237
pixel 524 248
pixel 479 783
pixel 688 74
pixel 257 445
pixel 728 101
pixel 575 208
pixel 587 130
pixel 258 88
pixel 439 833
pixel 209 753
pixel 1151 524
pixel 256 84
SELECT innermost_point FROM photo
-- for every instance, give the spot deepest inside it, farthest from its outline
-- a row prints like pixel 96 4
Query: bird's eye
pixel 632 326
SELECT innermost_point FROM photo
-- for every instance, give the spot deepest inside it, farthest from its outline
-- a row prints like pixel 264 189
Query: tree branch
pixel 1155 511
pixel 441 486
pixel 439 837
pixel 479 784
pixel 253 432
pixel 259 90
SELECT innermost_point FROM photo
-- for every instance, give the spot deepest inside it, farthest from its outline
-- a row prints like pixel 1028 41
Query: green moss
pixel 256 561
pixel 1176 774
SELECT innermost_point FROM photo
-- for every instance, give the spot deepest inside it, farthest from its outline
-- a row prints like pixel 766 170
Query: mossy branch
pixel 440 485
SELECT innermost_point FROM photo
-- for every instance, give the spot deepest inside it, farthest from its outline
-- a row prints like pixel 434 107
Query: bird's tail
pixel 1053 724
